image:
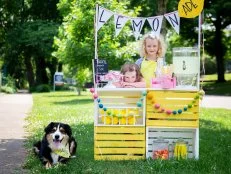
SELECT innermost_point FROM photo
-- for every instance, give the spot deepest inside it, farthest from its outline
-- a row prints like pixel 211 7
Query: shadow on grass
pixel 74 102
pixel 215 88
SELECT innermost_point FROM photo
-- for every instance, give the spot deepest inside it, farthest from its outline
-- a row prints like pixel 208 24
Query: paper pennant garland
pixel 190 8
pixel 119 21
pixel 137 25
pixel 174 19
pixel 103 16
pixel 155 23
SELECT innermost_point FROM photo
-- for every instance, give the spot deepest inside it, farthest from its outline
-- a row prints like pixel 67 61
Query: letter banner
pixel 119 21
pixel 174 19
pixel 190 8
pixel 155 23
pixel 103 16
pixel 137 25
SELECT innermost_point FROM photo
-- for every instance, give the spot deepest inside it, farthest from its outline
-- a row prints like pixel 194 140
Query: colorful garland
pixel 199 95
pixel 101 106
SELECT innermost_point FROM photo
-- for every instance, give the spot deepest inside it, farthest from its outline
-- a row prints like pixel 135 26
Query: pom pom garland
pixel 174 112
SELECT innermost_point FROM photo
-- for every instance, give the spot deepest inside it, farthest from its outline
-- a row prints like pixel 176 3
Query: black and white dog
pixel 57 145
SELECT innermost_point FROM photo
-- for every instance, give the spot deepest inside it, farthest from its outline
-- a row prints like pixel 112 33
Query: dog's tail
pixel 37 147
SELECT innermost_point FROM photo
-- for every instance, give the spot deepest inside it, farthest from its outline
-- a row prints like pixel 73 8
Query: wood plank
pixel 172 94
pixel 119 143
pixel 194 109
pixel 194 116
pixel 117 129
pixel 131 151
pixel 118 157
pixel 119 137
pixel 165 123
pixel 118 100
pixel 173 101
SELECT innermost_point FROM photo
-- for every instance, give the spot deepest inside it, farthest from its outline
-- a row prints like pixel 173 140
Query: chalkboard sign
pixel 101 68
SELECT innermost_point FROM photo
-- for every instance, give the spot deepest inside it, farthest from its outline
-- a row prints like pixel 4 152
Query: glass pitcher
pixel 180 149
pixel 160 149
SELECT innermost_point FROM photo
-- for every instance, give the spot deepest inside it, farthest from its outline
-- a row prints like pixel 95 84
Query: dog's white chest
pixel 55 158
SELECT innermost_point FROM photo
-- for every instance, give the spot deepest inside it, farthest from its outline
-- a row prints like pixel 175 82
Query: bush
pixel 42 88
pixel 8 89
pixel 210 66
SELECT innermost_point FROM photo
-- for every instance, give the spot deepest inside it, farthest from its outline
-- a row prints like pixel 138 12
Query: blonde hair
pixel 130 67
pixel 161 45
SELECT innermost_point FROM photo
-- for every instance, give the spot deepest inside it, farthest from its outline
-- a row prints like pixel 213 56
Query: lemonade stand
pixel 160 122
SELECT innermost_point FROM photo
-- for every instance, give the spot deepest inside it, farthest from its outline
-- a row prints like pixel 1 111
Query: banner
pixel 190 8
pixel 174 19
pixel 137 25
pixel 119 21
pixel 103 16
pixel 155 23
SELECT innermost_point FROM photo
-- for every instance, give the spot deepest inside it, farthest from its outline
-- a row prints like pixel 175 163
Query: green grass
pixel 215 136
pixel 211 87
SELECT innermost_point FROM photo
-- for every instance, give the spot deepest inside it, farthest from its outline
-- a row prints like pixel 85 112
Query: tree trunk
pixel 161 9
pixel 219 53
pixel 29 72
pixel 41 75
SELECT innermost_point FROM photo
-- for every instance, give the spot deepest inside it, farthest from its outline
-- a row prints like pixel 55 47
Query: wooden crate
pixel 122 104
pixel 191 135
pixel 172 101
pixel 119 143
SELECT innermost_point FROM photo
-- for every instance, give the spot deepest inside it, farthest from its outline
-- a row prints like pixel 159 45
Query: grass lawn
pixel 215 139
pixel 211 87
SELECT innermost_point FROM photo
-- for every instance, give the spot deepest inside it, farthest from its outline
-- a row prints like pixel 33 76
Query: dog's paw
pixel 48 165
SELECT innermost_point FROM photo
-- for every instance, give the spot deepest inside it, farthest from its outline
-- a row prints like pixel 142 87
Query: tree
pixel 217 17
pixel 75 43
pixel 28 28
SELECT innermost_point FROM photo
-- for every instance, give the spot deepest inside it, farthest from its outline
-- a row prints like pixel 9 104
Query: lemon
pixel 115 120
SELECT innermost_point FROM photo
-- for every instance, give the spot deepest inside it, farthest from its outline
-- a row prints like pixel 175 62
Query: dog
pixel 57 145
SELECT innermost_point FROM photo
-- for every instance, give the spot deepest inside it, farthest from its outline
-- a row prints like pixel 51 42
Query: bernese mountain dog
pixel 57 145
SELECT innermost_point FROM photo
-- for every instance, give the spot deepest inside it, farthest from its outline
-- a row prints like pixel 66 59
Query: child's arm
pixel 117 84
pixel 140 84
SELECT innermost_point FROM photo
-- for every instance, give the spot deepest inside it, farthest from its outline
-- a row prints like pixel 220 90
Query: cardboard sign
pixel 190 8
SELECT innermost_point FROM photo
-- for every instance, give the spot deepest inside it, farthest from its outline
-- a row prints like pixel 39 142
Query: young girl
pixel 152 51
pixel 132 78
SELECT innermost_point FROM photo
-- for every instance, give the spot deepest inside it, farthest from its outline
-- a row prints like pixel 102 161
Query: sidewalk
pixel 13 110
pixel 212 101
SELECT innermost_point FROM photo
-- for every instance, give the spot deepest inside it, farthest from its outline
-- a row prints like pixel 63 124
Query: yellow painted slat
pixel 179 94
pixel 120 144
pixel 118 157
pixel 165 123
pixel 177 116
pixel 119 137
pixel 101 129
pixel 180 101
pixel 129 151
pixel 150 108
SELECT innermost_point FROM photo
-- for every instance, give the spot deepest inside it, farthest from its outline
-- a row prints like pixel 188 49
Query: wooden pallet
pixel 191 135
pixel 119 143
pixel 173 101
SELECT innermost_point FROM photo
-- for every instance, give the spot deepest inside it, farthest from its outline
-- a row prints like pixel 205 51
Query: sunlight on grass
pixel 214 77
pixel 215 136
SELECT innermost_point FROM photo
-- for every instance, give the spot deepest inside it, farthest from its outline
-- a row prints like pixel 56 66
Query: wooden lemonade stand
pixel 127 121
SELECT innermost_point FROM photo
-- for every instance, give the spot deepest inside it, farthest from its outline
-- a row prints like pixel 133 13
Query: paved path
pixel 211 101
pixel 13 110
